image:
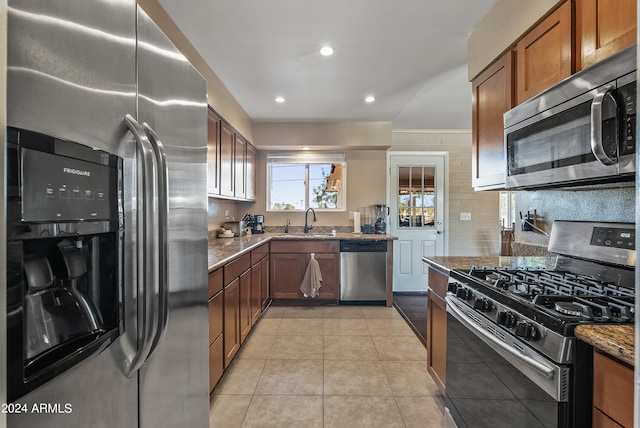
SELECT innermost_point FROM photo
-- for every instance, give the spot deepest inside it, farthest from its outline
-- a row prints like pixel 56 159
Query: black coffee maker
pixel 255 222
pixel 64 256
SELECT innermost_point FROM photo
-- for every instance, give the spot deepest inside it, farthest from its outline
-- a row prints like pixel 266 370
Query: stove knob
pixel 452 287
pixel 507 319
pixel 526 330
pixel 483 305
pixel 463 293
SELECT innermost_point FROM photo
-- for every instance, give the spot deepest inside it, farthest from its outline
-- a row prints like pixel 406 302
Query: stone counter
pixel 614 340
pixel 223 250
pixel 447 263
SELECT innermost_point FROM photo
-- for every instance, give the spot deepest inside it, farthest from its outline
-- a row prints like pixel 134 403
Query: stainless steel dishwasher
pixel 363 271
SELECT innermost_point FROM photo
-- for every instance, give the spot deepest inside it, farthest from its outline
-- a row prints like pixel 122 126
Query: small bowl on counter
pixel 226 234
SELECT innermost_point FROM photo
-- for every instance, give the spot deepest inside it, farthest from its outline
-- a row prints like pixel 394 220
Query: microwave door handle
pixel 464 319
pixel 596 126
pixel 147 195
pixel 163 220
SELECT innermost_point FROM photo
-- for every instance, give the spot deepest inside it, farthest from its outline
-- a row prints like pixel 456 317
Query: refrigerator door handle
pixel 163 217
pixel 147 224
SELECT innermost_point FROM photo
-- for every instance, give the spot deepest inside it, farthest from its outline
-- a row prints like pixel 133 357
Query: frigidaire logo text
pixel 77 171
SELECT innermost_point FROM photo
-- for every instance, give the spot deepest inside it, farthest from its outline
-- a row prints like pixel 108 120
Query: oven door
pixel 492 380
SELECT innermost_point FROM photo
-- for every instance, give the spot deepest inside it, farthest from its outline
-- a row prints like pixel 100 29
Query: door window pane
pixel 416 196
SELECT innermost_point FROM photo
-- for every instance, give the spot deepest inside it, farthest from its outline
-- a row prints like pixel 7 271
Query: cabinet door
pixel 330 269
pixel 287 270
pixel 250 179
pixel 216 362
pixel 240 152
pixel 613 389
pixel 544 55
pixel 437 338
pixel 227 137
pixel 264 283
pixel 213 154
pixel 231 295
pixel 216 311
pixel 245 305
pixel 493 94
pixel 603 27
pixel 256 286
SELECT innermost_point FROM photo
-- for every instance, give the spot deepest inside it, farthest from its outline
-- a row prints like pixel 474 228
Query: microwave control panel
pixel 627 94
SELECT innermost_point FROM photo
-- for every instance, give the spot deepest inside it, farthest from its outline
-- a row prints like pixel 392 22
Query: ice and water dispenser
pixel 64 256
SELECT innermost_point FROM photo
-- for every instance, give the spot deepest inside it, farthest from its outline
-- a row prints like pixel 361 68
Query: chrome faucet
pixel 307 228
pixel 286 226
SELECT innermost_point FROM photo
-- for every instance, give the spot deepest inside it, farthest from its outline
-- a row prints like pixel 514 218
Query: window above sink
pixel 298 181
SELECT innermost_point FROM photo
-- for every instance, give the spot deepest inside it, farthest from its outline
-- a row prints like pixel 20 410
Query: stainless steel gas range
pixel 512 356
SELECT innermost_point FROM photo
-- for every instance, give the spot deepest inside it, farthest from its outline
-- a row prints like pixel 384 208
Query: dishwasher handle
pixel 362 246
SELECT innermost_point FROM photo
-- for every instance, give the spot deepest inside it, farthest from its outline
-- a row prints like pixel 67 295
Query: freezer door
pixel 172 102
pixel 71 74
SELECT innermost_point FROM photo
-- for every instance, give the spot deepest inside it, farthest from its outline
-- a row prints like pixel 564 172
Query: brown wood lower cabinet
pixel 216 362
pixel 289 261
pixel 264 284
pixel 612 392
pixel 437 327
pixel 238 292
pixel 216 322
pixel 245 305
pixel 256 286
pixel 231 321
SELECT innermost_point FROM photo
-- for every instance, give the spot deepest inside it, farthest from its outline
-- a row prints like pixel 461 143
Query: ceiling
pixel 409 54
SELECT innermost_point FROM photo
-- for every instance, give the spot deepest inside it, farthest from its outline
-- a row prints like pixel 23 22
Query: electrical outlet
pixel 465 216
pixel 350 215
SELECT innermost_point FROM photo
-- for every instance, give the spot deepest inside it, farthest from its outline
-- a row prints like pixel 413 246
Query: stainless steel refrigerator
pixel 101 74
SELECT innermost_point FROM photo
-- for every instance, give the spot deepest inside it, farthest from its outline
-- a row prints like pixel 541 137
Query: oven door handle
pixel 597 146
pixel 469 323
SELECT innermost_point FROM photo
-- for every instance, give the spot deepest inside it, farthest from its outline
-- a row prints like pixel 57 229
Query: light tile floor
pixel 328 367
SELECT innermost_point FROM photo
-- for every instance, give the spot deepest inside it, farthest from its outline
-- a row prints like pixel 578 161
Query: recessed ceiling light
pixel 279 99
pixel 326 51
pixel 369 99
pixel 306 148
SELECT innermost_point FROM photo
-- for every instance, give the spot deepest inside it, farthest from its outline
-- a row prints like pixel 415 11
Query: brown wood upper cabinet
pixel 231 169
pixel 545 54
pixel 251 160
pixel 227 160
pixel 493 94
pixel 213 153
pixel 603 27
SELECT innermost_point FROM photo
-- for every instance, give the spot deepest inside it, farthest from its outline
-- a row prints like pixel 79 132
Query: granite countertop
pixel 614 340
pixel 223 250
pixel 447 263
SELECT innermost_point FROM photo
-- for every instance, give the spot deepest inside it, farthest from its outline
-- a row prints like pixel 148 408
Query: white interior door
pixel 417 195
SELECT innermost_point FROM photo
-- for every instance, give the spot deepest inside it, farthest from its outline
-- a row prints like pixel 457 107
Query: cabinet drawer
pixel 305 246
pixel 215 282
pixel 438 282
pixel 236 268
pixel 215 317
pixel 613 389
pixel 259 253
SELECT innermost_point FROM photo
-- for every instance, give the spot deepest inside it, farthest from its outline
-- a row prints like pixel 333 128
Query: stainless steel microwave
pixel 580 132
